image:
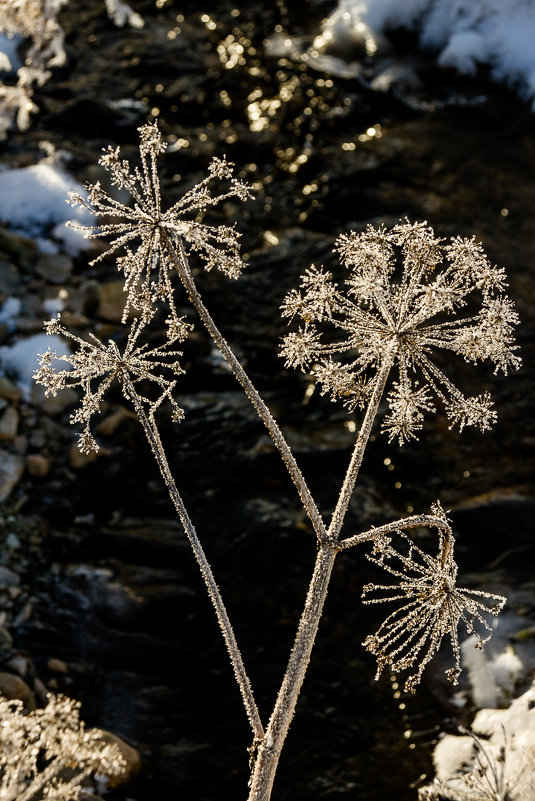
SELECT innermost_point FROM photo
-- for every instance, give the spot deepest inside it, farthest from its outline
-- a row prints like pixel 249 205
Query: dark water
pixel 323 153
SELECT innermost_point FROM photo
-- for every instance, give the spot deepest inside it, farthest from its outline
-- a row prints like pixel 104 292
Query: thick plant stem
pixel 182 267
pixel 270 749
pixel 151 432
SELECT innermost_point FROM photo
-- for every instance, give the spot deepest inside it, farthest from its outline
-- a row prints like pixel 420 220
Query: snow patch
pixel 22 358
pixel 10 309
pixel 466 33
pixel 33 201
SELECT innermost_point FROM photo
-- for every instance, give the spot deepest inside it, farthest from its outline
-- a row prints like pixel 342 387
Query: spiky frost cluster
pixel 37 21
pixel 94 366
pixel 47 753
pixel 430 606
pixel 142 230
pixel 400 301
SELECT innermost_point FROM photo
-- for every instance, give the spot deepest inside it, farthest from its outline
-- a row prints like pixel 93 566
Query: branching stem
pixel 358 450
pixel 406 522
pixel 181 264
pixel 283 711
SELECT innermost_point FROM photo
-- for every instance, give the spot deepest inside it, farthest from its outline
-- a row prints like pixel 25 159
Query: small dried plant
pixel 400 303
pixel 48 753
pixel 35 23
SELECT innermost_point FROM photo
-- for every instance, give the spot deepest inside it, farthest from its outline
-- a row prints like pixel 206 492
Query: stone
pixel 131 756
pixel 79 460
pixel 21 249
pixel 54 404
pixel 20 444
pixel 11 470
pixel 12 687
pixel 10 280
pixel 57 665
pixel 54 268
pixel 37 438
pixel 24 614
pixel 6 640
pixel 19 664
pixel 12 541
pixel 8 578
pixel 111 301
pixel 37 465
pixel 9 423
pixel 40 690
pixel 110 423
pixel 9 390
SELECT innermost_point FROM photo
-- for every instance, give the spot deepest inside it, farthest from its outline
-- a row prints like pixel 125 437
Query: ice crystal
pixel 404 289
pixel 430 606
pixel 48 752
pixel 94 367
pixel 141 230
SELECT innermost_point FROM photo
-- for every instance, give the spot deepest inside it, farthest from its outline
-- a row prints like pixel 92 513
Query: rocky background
pixel 101 599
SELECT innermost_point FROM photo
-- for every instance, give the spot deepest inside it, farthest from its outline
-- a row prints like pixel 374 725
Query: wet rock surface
pixel 97 576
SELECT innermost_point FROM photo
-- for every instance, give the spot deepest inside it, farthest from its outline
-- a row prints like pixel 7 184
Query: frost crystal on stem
pixel 401 298
pixel 94 367
pixel 430 605
pixel 137 230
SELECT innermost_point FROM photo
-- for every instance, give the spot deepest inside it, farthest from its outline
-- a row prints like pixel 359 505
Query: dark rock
pixel 11 470
pixel 54 268
pixel 12 687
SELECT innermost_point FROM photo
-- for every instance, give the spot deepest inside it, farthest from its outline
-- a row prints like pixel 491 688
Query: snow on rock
pixel 22 358
pixel 495 761
pixel 33 200
pixel 465 33
pixel 503 665
pixel 10 309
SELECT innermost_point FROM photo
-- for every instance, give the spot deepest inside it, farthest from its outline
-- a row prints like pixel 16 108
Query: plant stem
pixel 406 522
pixel 153 437
pixel 283 712
pixel 358 450
pixel 182 267
pixel 270 749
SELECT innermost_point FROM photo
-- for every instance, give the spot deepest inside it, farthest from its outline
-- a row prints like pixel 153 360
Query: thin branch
pixel 358 450
pixel 182 266
pixel 153 437
pixel 404 523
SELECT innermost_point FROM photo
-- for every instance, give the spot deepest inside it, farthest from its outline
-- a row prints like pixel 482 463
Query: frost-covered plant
pixel 401 303
pixel 94 367
pixel 429 606
pixel 147 234
pixel 48 753
pixel 36 22
pixel 395 312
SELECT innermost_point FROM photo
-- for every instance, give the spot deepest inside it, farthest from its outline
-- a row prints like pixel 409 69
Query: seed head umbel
pixel 429 607
pixel 137 230
pixel 94 366
pixel 408 293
